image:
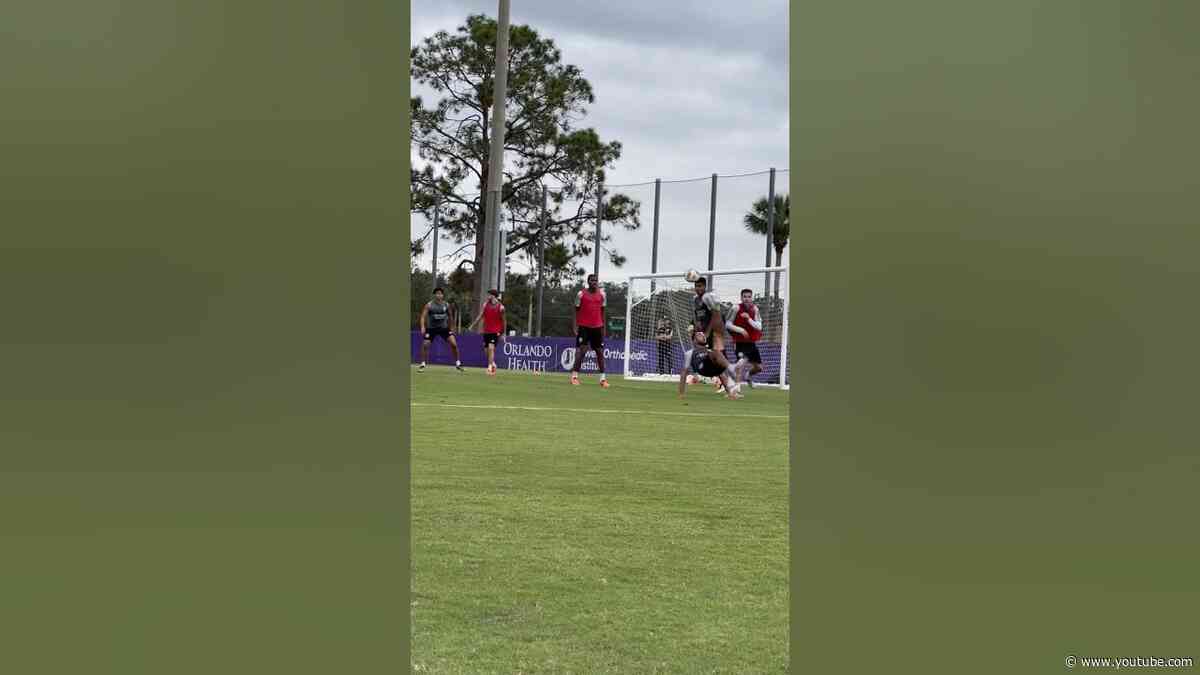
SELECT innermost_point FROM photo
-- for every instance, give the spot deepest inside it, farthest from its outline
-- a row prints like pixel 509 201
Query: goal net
pixel 659 314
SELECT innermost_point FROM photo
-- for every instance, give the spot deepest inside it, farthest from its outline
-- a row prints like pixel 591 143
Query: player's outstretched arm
pixel 424 313
pixel 735 329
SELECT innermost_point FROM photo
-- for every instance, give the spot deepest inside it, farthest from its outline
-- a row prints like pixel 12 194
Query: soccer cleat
pixel 459 368
pixel 492 370
pixel 574 379
pixel 604 384
pixel 421 368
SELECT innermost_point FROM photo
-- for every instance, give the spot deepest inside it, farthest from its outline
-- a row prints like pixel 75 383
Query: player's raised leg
pixel 704 362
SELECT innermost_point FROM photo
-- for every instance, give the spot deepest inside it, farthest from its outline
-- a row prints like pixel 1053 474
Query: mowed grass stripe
pixel 596 410
pixel 541 544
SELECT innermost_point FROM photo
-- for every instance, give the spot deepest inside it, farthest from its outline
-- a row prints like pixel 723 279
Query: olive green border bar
pixel 996 235
pixel 796 281
pixel 403 299
pixel 203 367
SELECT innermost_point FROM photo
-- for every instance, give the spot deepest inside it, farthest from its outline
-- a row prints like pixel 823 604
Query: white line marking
pixel 596 410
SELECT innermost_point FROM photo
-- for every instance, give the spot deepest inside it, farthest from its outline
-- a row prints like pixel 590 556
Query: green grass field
pixel 649 536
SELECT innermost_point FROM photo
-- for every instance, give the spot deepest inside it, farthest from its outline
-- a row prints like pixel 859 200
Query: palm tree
pixel 756 222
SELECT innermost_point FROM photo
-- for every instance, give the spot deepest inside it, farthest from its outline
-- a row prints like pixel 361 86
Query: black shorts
pixel 491 338
pixel 710 369
pixel 444 333
pixel 590 336
pixel 748 350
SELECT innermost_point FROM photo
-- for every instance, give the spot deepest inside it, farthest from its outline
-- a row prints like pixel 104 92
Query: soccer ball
pixel 692 276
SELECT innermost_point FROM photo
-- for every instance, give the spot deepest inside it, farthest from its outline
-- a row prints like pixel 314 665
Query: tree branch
pixel 438 148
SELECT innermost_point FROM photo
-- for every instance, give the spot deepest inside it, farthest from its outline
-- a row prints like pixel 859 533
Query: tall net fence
pixel 703 223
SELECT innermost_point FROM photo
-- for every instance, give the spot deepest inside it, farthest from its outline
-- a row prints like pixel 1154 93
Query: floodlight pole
pixel 491 259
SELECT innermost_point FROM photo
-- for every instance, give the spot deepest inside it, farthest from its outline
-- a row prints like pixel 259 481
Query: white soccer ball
pixel 692 276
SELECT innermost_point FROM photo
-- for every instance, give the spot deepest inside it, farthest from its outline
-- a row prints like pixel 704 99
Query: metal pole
pixel 770 232
pixel 712 227
pixel 495 154
pixel 501 263
pixel 599 217
pixel 541 244
pixel 437 203
pixel 654 246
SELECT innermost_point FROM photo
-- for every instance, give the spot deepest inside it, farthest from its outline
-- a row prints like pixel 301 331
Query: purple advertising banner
pixel 557 355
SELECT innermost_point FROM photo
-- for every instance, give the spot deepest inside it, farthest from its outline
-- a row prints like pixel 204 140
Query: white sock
pixel 458 363
pixel 422 364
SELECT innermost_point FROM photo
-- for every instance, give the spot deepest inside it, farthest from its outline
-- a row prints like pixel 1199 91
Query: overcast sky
pixel 690 88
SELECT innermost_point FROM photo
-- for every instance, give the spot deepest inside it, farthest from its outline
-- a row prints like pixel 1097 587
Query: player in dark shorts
pixel 588 320
pixel 706 362
pixel 435 323
pixel 707 318
pixel 745 325
pixel 492 316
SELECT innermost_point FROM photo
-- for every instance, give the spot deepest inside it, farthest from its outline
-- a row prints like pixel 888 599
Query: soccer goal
pixel 661 305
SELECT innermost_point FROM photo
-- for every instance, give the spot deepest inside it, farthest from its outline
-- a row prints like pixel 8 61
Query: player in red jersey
pixel 492 315
pixel 746 329
pixel 588 324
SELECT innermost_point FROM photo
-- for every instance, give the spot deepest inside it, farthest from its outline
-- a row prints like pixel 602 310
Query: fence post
pixel 541 245
pixel 654 245
pixel 437 204
pixel 770 232
pixel 599 218
pixel 712 227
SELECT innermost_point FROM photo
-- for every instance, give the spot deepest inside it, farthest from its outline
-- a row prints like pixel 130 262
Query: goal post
pixel 657 302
